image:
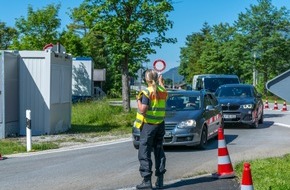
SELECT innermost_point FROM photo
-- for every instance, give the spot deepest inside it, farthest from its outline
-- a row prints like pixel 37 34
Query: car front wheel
pixel 255 124
pixel 203 139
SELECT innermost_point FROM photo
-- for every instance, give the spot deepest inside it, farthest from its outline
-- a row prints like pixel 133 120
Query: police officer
pixel 152 106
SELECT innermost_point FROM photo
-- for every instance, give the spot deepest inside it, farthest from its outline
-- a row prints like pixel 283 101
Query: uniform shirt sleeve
pixel 145 100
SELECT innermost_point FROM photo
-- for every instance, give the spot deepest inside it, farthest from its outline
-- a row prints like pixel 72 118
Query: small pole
pixel 28 130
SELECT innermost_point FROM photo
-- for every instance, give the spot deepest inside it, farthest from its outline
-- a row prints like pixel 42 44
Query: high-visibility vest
pixel 139 121
pixel 156 111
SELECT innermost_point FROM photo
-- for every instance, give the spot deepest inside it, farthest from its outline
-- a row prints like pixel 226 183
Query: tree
pixel 6 35
pixel 259 40
pixel 39 29
pixel 265 30
pixel 131 29
pixel 81 27
pixel 72 43
pixel 92 44
pixel 190 63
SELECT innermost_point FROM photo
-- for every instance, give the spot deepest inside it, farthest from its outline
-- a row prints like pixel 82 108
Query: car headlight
pixel 187 123
pixel 248 106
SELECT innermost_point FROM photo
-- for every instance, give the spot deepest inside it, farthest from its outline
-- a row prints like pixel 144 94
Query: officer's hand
pixel 161 80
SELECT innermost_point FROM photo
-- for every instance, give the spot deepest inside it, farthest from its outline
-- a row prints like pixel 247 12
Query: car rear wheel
pixel 203 139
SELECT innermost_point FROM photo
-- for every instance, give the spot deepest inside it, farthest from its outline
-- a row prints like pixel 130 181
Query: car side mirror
pixel 259 95
pixel 209 107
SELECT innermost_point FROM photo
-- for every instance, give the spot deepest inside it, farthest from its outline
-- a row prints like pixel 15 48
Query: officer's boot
pixel 146 184
pixel 159 182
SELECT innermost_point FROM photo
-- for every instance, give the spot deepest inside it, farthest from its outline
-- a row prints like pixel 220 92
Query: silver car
pixel 192 118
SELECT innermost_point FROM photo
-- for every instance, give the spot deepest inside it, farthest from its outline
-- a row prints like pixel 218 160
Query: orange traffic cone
pixel 225 168
pixel 284 108
pixel 247 183
pixel 266 104
pixel 275 105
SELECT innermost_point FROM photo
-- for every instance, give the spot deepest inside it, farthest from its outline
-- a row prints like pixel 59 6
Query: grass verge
pixel 270 173
pixel 94 119
pixel 14 146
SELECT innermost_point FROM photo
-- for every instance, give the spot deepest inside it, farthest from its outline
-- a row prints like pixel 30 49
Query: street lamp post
pixel 172 80
pixel 255 72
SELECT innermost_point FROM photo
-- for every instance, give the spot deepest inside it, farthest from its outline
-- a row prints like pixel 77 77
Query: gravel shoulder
pixel 70 140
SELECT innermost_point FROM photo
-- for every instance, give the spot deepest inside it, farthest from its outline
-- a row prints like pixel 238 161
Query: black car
pixel 192 118
pixel 241 103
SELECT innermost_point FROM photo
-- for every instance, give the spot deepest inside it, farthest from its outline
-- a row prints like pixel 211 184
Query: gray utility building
pixel 9 93
pixel 39 81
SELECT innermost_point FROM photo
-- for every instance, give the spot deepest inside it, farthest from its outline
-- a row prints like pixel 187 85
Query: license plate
pixel 229 116
pixel 167 134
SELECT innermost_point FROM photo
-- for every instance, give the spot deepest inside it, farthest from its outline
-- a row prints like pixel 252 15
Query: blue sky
pixel 188 17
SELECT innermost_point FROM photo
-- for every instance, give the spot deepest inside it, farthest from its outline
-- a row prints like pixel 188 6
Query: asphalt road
pixel 114 165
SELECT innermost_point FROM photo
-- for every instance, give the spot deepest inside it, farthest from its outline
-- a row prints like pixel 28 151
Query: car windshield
pixel 183 102
pixel 213 83
pixel 234 92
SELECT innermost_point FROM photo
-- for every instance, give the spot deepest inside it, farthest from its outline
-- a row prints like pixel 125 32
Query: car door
pixel 209 113
pixel 259 103
pixel 214 121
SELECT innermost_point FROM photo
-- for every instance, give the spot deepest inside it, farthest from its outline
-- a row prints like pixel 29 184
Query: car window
pixel 199 85
pixel 212 84
pixel 183 102
pixel 225 92
pixel 207 100
pixel 234 91
pixel 174 102
pixel 213 100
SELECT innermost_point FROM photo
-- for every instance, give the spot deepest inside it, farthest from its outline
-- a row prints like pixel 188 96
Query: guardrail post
pixel 28 131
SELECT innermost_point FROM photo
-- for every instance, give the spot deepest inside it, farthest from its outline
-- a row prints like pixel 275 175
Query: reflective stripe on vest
pixel 156 111
pixel 139 120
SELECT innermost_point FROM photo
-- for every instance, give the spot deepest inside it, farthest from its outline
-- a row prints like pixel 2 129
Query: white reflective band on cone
pixel 221 143
pixel 224 160
pixel 247 187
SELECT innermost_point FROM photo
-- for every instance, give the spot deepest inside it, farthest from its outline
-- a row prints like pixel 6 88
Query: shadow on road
pixel 274 115
pixel 266 124
pixel 212 144
pixel 206 182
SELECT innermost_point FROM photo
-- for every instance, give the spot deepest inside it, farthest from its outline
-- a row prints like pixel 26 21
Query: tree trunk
pixel 125 87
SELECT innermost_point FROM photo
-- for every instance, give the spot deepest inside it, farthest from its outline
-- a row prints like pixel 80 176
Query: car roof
pixel 236 85
pixel 215 76
pixel 186 92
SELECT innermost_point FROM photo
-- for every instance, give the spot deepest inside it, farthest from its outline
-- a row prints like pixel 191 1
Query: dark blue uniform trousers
pixel 151 138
